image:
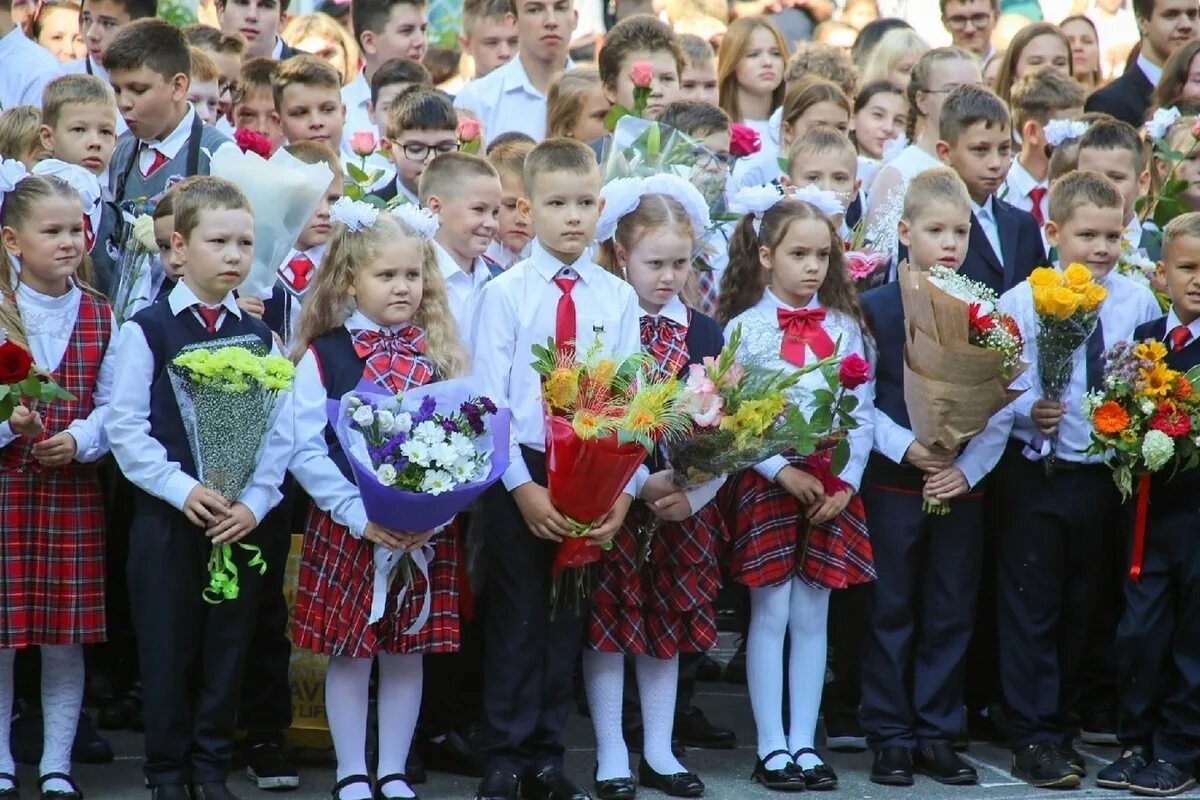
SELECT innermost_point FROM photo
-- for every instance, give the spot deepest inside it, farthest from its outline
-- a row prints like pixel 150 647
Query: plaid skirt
pixel 773 542
pixel 333 596
pixel 52 562
pixel 666 607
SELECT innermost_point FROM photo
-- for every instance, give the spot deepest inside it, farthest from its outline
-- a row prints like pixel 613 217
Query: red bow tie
pixel 394 360
pixel 800 329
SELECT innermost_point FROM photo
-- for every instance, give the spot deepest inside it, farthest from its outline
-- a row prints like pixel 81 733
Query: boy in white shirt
pixel 489 34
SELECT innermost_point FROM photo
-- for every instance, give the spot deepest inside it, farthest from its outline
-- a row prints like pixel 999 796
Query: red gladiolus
pixel 1170 421
pixel 743 140
pixel 15 363
pixel 854 371
pixel 252 142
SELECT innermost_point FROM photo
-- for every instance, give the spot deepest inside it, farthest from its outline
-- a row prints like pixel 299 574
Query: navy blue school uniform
pixel 104 248
pixel 391 189
pixel 1158 640
pixel 927 567
pixel 1125 98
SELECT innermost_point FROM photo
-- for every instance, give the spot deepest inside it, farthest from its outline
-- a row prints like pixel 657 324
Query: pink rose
pixel 854 371
pixel 862 265
pixel 468 129
pixel 1196 129
pixel 363 143
pixel 642 74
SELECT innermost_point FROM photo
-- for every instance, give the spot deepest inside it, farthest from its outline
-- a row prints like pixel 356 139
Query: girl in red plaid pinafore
pixel 401 336
pixel 663 607
pixel 798 531
pixel 52 539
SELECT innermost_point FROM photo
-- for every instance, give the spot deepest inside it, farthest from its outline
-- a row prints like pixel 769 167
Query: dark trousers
pixel 1047 581
pixel 192 653
pixel 1098 676
pixel 849 616
pixel 530 653
pixel 1158 643
pixel 922 612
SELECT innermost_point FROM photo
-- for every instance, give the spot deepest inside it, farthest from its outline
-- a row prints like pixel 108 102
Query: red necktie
pixel 301 266
pixel 1035 196
pixel 89 236
pixel 666 342
pixel 209 316
pixel 395 361
pixel 1179 337
pixel 159 160
pixel 564 317
pixel 802 328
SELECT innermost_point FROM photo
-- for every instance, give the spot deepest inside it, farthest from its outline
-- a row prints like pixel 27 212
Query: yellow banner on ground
pixel 310 728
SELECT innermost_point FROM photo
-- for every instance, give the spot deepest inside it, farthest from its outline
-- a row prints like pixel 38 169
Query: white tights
pixel 62 698
pixel 800 611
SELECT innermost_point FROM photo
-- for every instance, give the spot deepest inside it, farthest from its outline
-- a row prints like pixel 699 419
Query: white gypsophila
pixel 416 451
pixel 1161 122
pixel 436 482
pixel 364 415
pixel 386 474
pixel 421 220
pixel 823 200
pixel 428 432
pixel 1091 401
pixel 444 454
pixel 354 214
pixel 386 420
pixel 1064 130
pixel 1157 449
pixel 963 288
pixel 402 423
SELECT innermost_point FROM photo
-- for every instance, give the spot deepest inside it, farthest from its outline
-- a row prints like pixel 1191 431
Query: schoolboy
pixel 1055 514
pixel 148 65
pixel 162 283
pixel 977 144
pixel 489 34
pixel 1114 149
pixel 514 230
pixel 698 80
pixel 253 101
pixel 227 52
pixel 923 609
pixel 421 126
pixel 258 22
pixel 19 135
pixel 99 22
pixel 825 157
pixel 512 97
pixel 558 293
pixel 389 82
pixel 384 29
pixel 1158 726
pixel 28 66
pixel 306 91
pixel 192 653
pixel 1037 98
pixel 204 91
pixel 641 38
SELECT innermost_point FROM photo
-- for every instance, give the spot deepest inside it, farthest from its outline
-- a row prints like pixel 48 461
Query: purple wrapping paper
pixel 399 510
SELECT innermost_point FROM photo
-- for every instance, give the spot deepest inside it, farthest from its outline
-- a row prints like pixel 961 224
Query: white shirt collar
pixel 177 138
pixel 1021 180
pixel 27 294
pixel 771 300
pixel 674 310
pixel 450 268
pixel 1152 72
pixel 314 254
pixel 548 266
pixel 277 50
pixel 515 78
pixel 357 321
pixel 182 298
pixel 1174 322
pixel 987 206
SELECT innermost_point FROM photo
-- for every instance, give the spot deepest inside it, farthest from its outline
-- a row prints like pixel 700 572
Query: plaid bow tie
pixel 395 361
pixel 666 342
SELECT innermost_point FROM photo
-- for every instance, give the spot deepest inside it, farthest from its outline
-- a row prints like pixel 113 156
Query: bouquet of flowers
pixel 603 417
pixel 641 147
pixel 418 460
pixel 22 382
pixel 134 268
pixel 867 267
pixel 1146 417
pixel 1134 264
pixel 1166 201
pixel 1067 305
pixel 960 356
pixel 234 387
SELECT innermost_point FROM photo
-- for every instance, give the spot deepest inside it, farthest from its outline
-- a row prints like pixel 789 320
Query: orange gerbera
pixel 1183 388
pixel 1109 418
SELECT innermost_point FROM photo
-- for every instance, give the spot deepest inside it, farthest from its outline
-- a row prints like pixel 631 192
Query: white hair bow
pixel 12 172
pixel 354 214
pixel 422 220
pixel 623 195
pixel 82 181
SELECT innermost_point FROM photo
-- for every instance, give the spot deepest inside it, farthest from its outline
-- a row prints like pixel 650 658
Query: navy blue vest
pixel 1179 491
pixel 883 311
pixel 341 371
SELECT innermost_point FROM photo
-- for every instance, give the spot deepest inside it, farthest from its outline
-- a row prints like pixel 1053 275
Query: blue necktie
pixel 1095 358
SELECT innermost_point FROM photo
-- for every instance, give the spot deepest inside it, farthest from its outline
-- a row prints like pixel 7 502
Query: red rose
pixel 252 142
pixel 642 74
pixel 854 371
pixel 743 140
pixel 1170 421
pixel 15 363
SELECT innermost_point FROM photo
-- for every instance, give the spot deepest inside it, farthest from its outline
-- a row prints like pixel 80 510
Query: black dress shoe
pixel 1043 765
pixel 384 780
pixel 1073 758
pixel 613 788
pixel 59 794
pixel 170 791
pixel 694 730
pixel 216 790
pixel 820 778
pixel 551 784
pixel 454 753
pixel 940 762
pixel 1161 779
pixel 12 792
pixel 336 792
pixel 679 784
pixel 893 766
pixel 498 785
pixel 788 779
pixel 1119 773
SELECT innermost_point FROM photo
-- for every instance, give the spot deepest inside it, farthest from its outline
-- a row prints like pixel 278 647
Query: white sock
pixel 347 687
pixel 764 668
pixel 604 680
pixel 806 674
pixel 399 705
pixel 6 703
pixel 657 683
pixel 62 698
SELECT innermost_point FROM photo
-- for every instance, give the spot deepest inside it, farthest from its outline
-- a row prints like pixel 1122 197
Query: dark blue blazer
pixel 1127 98
pixel 854 211
pixel 1020 240
pixel 1180 491
pixel 883 312
pixel 388 192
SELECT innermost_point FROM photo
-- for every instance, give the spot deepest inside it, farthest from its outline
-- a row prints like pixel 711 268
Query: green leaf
pixel 6 408
pixel 30 387
pixel 848 404
pixel 356 174
pixel 5 390
pixel 841 457
pixel 614 116
pixel 822 419
pixel 52 391
pixel 824 397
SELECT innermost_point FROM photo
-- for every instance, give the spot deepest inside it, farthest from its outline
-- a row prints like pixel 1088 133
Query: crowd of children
pixel 492 229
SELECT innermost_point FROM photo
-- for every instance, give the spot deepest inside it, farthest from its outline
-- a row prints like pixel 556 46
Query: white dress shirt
pixel 170 146
pixel 294 301
pixel 1128 305
pixel 1019 184
pixel 986 215
pixel 761 340
pixel 1153 72
pixel 49 325
pixel 518 310
pixel 504 257
pixel 356 96
pixel 463 291
pixel 506 100
pixel 28 67
pixel 144 460
pixel 1174 322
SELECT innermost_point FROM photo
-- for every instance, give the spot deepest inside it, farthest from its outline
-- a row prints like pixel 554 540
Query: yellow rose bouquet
pixel 1067 305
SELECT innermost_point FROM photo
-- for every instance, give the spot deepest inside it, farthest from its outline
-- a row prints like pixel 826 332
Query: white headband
pixel 422 220
pixel 622 195
pixel 1064 130
pixel 1161 122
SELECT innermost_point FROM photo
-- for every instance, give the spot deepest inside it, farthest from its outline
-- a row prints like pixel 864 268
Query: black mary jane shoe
pixel 383 780
pixel 788 779
pixel 57 794
pixel 613 788
pixel 336 792
pixel 820 778
pixel 12 792
pixel 679 784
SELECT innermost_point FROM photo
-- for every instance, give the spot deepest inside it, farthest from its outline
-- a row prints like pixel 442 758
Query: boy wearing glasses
pixel 970 24
pixel 421 125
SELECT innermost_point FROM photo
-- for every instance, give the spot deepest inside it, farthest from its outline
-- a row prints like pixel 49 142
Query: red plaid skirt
pixel 666 607
pixel 333 596
pixel 772 541
pixel 52 569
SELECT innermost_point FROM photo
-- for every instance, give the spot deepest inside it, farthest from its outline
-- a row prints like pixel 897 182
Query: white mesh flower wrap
pixel 1064 130
pixel 354 214
pixel 622 196
pixel 823 200
pixel 83 182
pixel 421 220
pixel 1162 120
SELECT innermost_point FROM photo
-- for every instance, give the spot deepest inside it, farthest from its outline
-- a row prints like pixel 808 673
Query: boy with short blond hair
pixel 514 229
pixel 253 106
pixel 1116 150
pixel 19 135
pixel 204 90
pixel 308 101
pixel 489 34
pixel 698 80
pixel 421 125
pixel 825 157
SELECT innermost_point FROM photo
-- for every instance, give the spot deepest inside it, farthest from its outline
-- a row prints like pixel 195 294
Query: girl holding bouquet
pixel 378 312
pixel 657 610
pixel 798 530
pixel 52 560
